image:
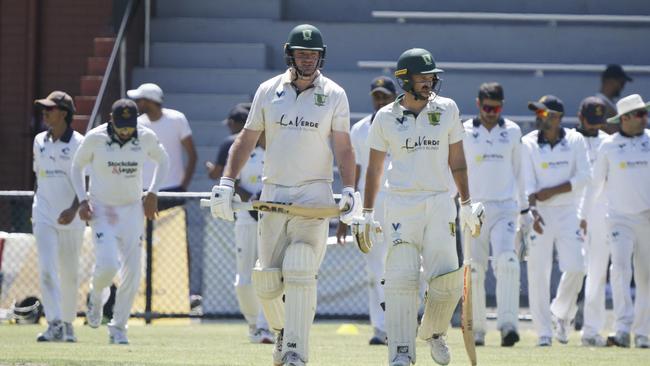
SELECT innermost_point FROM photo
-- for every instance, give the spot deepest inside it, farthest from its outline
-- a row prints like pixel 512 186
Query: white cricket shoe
pixel 479 338
pixel 439 350
pixel 68 333
pixel 401 360
pixel 594 341
pixel 545 341
pixel 94 313
pixel 277 349
pixel 117 335
pixel 561 330
pixel 54 332
pixel 293 359
pixel 641 341
pixel 261 335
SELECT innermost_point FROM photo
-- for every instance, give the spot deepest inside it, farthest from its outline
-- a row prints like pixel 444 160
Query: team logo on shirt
pixel 554 164
pixel 434 118
pixel 421 143
pixel 633 164
pixel 503 137
pixel 128 168
pixel 480 158
pixel 320 99
pixel 298 123
pixel 401 126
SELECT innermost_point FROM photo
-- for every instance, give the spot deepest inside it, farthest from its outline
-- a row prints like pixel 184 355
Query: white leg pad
pixel 507 273
pixel 268 286
pixel 478 298
pixel 299 268
pixel 401 292
pixel 248 303
pixel 442 297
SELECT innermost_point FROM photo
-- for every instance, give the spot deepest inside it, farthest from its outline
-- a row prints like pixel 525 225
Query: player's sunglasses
pixel 544 113
pixel 639 114
pixel 491 108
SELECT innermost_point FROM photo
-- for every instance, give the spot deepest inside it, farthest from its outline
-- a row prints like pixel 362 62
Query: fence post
pixel 149 271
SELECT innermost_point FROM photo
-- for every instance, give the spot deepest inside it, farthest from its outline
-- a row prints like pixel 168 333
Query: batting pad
pixel 401 293
pixel 268 286
pixel 248 303
pixel 507 273
pixel 299 268
pixel 442 297
pixel 478 298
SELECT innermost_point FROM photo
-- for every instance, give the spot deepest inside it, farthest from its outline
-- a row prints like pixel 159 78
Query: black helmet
pixel 28 311
pixel 412 62
pixel 304 37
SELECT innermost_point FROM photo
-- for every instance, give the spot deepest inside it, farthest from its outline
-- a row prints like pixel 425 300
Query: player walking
pixel 423 134
pixel 116 152
pixel 556 170
pixel 58 232
pixel 493 148
pixel 300 111
pixel 621 168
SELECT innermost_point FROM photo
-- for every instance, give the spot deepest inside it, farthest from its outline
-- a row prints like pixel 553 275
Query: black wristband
pixel 523 212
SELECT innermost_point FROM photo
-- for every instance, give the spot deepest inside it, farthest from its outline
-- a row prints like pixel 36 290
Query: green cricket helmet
pixel 304 37
pixel 412 62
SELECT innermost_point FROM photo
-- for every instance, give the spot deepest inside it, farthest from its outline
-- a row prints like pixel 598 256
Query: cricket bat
pixel 314 212
pixel 467 318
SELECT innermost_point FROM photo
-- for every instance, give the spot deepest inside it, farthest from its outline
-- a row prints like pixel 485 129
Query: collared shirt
pixel 359 138
pixel 621 169
pixel 494 161
pixel 545 166
pixel 593 145
pixel 298 128
pixel 54 190
pixel 419 146
pixel 116 166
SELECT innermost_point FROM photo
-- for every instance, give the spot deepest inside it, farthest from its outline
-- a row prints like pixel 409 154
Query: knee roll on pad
pixel 299 264
pixel 269 287
pixel 507 274
pixel 443 294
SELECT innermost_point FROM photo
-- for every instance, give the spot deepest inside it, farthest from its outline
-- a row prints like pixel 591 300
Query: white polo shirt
pixel 419 147
pixel 359 138
pixel 54 190
pixel 494 161
pixel 593 145
pixel 171 129
pixel 622 169
pixel 250 179
pixel 545 166
pixel 298 128
pixel 116 168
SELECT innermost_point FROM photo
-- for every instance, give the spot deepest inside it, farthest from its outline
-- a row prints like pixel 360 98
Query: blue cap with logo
pixel 382 84
pixel 593 110
pixel 550 102
pixel 125 113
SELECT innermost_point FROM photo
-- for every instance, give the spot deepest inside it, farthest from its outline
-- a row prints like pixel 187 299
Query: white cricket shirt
pixel 494 161
pixel 250 179
pixel 116 169
pixel 359 138
pixel 298 128
pixel 546 167
pixel 419 147
pixel 593 145
pixel 171 129
pixel 54 190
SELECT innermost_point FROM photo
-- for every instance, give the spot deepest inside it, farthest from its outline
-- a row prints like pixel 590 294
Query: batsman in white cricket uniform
pixel 493 150
pixel 115 209
pixel 592 114
pixel 423 134
pixel 622 173
pixel 57 229
pixel 301 112
pixel 556 171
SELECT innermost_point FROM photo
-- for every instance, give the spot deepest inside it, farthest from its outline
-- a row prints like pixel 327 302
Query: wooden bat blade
pixel 467 317
pixel 316 212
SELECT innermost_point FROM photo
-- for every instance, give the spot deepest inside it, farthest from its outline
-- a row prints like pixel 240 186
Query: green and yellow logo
pixel 427 59
pixel 544 165
pixel 320 99
pixel 434 118
pixel 306 35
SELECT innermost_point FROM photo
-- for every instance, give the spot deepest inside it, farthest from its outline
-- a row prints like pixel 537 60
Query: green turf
pixel 225 343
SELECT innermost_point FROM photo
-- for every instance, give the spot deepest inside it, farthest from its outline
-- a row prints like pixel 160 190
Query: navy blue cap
pixel 550 102
pixel 614 71
pixel 239 113
pixel 593 110
pixel 382 84
pixel 125 113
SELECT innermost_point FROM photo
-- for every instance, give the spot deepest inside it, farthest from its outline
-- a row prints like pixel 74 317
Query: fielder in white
pixel 58 232
pixel 382 91
pixel 493 149
pixel 301 112
pixel 423 134
pixel 556 170
pixel 622 173
pixel 115 153
pixel 592 119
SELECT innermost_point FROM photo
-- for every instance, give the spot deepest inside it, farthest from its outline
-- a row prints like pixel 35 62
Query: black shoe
pixel 376 341
pixel 509 339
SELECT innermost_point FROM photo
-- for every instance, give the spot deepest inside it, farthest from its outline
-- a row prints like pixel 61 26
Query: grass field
pixel 224 343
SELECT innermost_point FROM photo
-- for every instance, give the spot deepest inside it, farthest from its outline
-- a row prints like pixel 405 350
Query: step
pixel 103 46
pixel 208 133
pixel 200 80
pixel 90 84
pixel 96 65
pixel 268 9
pixel 204 106
pixel 223 55
pixel 80 123
pixel 84 104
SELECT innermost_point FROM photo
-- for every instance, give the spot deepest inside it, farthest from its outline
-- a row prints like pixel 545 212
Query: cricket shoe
pixel 379 338
pixel 401 360
pixel 277 349
pixel 620 339
pixel 68 333
pixel 641 341
pixel 594 341
pixel 54 332
pixel 439 349
pixel 479 338
pixel 117 335
pixel 545 341
pixel 94 313
pixel 293 359
pixel 561 330
pixel 261 335
pixel 509 335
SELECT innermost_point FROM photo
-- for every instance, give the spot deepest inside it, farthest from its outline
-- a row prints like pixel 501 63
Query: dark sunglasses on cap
pixel 639 113
pixel 491 108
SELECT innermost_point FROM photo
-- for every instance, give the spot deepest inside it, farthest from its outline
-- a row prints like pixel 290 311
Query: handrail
pixel 109 68
pixel 401 17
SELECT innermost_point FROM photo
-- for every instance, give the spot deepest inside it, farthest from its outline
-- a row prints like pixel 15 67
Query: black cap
pixel 239 113
pixel 593 110
pixel 57 99
pixel 125 113
pixel 614 71
pixel 550 102
pixel 382 84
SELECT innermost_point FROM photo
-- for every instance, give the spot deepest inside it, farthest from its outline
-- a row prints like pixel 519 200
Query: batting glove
pixel 350 205
pixel 366 231
pixel 222 198
pixel 471 215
